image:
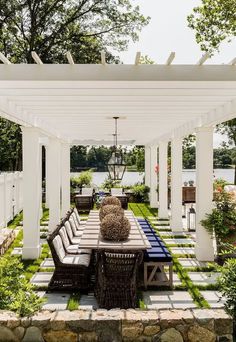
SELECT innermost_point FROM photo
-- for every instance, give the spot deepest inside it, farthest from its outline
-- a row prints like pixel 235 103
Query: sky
pixel 168 31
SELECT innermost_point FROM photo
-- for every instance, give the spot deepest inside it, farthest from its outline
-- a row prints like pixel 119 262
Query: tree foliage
pixel 10 146
pixel 52 27
pixel 214 21
pixel 228 128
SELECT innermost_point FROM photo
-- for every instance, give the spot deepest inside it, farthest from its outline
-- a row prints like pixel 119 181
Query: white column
pixel 204 191
pixel 46 177
pixel 31 199
pixel 153 177
pixel 40 183
pixel 176 223
pixel 163 181
pixel 147 165
pixel 65 178
pixel 54 182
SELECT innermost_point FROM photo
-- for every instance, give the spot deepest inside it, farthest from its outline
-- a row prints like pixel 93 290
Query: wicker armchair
pixel 71 270
pixel 116 281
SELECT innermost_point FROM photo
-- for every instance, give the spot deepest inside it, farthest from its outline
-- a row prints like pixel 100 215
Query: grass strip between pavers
pixel 73 302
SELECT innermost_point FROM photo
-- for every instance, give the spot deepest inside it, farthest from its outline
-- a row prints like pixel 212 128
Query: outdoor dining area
pixel 113 253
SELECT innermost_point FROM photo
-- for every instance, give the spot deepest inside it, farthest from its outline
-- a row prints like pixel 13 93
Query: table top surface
pixel 92 238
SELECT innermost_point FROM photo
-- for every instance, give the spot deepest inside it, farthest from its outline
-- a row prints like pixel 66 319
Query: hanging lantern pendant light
pixel 116 165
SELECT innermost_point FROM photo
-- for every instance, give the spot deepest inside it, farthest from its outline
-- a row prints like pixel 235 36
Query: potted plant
pixel 221 222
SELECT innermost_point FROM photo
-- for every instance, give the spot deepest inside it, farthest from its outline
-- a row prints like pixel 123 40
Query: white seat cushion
pixel 64 237
pixel 87 191
pixel 82 259
pixel 73 240
pixel 116 191
pixel 57 243
pixel 77 215
pixel 73 227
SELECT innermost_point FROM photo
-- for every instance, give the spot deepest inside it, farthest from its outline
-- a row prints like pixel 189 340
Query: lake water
pixel 130 178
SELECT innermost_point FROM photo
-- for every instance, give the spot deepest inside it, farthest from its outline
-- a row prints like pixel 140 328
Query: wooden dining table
pixel 93 239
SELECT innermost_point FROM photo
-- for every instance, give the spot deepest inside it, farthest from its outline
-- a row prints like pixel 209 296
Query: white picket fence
pixel 11 196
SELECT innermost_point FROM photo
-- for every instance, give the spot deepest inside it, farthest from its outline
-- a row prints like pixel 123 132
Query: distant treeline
pixel 96 157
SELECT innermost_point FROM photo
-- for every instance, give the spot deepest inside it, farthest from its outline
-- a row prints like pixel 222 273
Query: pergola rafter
pixel 74 104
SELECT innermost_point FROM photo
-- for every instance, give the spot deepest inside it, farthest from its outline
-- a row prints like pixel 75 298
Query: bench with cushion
pixel 156 259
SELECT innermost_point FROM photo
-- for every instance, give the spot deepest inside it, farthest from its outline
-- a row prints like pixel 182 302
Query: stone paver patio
pixel 191 262
pixel 203 278
pixel 168 299
pixel 214 298
pixel 182 250
pixel 41 278
pixel 54 301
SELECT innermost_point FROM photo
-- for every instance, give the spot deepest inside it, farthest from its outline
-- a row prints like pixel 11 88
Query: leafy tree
pixel 98 157
pixel 214 21
pixel 10 146
pixel 222 157
pixel 229 129
pixel 52 27
pixel 78 157
pixel 189 152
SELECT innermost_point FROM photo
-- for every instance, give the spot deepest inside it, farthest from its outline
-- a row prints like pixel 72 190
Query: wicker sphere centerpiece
pixel 115 227
pixel 110 209
pixel 110 200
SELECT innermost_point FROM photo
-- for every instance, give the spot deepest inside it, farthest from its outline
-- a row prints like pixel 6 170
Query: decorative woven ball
pixel 110 200
pixel 110 209
pixel 115 228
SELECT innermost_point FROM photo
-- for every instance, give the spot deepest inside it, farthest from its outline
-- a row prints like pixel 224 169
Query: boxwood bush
pixel 16 292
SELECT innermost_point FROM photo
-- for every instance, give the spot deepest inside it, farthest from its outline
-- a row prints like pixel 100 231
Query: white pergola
pixel 60 105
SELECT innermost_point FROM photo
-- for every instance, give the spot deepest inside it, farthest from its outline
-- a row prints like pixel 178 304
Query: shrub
pixel 222 219
pixel 227 283
pixel 219 184
pixel 140 192
pixel 85 178
pixel 16 293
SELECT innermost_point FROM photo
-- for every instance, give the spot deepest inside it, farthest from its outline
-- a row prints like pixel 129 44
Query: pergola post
pixel 176 223
pixel 153 177
pixel 54 182
pixel 40 182
pixel 147 165
pixel 204 191
pixel 31 196
pixel 65 178
pixel 46 176
pixel 163 181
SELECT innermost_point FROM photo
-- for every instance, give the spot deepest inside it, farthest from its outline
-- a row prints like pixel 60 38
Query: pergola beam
pixel 70 58
pixel 103 58
pixel 203 59
pixel 233 62
pixel 170 58
pixel 36 58
pixel 4 59
pixel 137 58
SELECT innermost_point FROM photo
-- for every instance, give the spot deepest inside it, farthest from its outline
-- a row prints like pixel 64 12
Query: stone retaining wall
pixel 197 325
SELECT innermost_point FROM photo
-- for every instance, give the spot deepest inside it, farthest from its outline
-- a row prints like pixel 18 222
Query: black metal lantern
pixel 116 165
pixel 191 219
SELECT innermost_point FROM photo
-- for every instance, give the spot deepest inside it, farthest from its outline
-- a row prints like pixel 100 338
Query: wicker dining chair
pixel 116 283
pixel 72 271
